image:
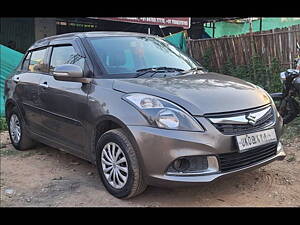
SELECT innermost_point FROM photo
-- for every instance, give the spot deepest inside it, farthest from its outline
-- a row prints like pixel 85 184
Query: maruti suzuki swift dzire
pixel 139 109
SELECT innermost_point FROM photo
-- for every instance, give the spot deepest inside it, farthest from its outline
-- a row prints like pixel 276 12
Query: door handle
pixel 44 85
pixel 16 79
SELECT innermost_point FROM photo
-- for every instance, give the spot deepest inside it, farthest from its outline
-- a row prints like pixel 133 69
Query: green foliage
pixel 206 60
pixel 3 124
pixel 257 71
pixel 291 131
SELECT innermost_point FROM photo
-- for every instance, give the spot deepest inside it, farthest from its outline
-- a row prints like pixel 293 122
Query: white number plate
pixel 248 141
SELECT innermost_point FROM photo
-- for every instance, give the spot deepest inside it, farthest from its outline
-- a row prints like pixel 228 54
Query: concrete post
pixel 44 27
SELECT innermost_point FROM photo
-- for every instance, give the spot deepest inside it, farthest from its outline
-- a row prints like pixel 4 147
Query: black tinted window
pixel 37 61
pixel 65 55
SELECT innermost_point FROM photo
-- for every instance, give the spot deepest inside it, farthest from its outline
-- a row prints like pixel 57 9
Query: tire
pixel 289 110
pixel 117 182
pixel 23 140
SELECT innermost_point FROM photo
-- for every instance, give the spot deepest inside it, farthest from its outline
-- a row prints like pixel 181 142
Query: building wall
pixel 17 33
pixel 44 27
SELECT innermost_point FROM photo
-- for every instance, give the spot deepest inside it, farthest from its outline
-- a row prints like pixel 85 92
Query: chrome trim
pixel 210 177
pixel 246 118
pixel 44 85
pixel 255 116
pixel 61 74
pixel 213 164
pixel 279 147
pixel 230 120
pixel 213 167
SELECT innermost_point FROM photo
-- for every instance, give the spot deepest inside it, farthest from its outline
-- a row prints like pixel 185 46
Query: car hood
pixel 199 93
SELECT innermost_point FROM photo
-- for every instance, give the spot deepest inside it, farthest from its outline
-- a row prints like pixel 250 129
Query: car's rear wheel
pixel 118 165
pixel 19 136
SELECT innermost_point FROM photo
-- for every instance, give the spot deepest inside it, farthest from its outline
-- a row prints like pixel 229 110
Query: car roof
pixel 45 41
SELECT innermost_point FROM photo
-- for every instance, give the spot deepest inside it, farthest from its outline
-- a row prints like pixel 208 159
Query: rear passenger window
pixel 65 55
pixel 37 61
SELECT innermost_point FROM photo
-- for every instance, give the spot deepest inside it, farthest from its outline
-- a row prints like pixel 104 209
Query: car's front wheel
pixel 118 165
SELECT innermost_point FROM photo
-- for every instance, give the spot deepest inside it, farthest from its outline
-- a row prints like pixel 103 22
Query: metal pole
pixel 161 31
pixel 250 25
pixel 260 24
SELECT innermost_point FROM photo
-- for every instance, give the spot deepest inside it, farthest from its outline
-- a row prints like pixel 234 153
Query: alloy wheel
pixel 114 165
pixel 15 128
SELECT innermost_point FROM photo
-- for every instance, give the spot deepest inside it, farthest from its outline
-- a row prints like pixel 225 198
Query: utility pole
pixel 250 25
pixel 214 27
pixel 260 24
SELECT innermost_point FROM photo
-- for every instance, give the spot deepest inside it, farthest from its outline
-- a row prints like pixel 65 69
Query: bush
pixel 3 124
pixel 257 71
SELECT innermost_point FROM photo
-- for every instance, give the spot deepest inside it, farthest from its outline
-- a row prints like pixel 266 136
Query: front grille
pixel 234 129
pixel 232 161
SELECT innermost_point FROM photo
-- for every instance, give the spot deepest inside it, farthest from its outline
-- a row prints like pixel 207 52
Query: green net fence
pixel 178 40
pixel 268 23
pixel 9 60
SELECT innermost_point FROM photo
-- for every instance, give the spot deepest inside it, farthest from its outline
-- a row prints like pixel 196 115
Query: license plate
pixel 249 141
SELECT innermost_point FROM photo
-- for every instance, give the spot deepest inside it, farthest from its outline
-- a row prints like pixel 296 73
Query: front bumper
pixel 173 181
pixel 158 148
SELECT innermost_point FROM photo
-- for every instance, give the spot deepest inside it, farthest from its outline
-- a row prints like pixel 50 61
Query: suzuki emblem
pixel 251 119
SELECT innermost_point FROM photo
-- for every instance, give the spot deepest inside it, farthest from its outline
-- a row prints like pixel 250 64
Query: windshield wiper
pixel 155 70
pixel 195 69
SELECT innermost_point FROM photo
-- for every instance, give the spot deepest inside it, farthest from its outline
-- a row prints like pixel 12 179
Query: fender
pixel 124 127
pixel 14 103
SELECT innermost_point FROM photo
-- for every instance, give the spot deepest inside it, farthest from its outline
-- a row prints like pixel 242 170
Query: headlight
pixel 266 93
pixel 162 113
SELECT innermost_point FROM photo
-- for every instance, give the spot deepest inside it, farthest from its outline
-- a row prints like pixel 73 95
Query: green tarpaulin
pixel 177 40
pixel 228 28
pixel 9 60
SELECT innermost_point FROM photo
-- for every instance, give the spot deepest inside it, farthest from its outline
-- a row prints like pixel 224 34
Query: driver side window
pixel 65 55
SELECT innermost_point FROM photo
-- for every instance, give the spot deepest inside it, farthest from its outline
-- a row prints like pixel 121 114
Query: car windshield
pixel 131 55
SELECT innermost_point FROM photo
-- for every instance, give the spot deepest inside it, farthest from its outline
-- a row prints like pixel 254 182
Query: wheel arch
pixel 109 122
pixel 9 105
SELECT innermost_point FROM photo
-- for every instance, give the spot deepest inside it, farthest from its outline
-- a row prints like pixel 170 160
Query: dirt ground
pixel 45 177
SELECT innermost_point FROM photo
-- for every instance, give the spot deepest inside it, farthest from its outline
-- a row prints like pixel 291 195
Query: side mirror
pixel 70 72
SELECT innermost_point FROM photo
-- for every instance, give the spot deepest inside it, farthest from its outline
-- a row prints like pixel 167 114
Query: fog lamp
pixel 181 164
pixel 193 165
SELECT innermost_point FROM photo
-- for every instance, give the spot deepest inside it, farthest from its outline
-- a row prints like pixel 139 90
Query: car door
pixel 27 81
pixel 63 102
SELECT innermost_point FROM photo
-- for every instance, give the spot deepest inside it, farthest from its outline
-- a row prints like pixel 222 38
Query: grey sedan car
pixel 141 110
